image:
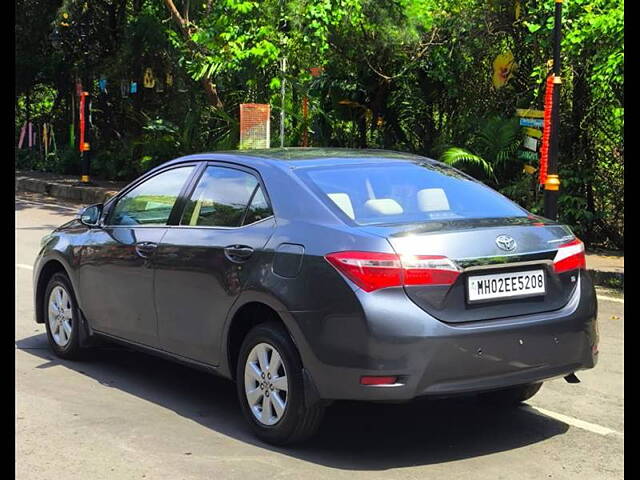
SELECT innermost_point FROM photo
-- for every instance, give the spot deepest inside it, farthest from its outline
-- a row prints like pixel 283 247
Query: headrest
pixel 432 200
pixel 383 206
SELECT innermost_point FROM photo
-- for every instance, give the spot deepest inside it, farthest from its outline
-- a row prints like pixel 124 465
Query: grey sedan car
pixel 314 275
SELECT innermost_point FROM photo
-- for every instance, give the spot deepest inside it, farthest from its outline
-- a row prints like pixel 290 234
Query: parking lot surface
pixel 123 414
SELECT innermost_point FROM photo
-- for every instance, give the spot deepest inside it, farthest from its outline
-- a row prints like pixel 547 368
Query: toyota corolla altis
pixel 314 275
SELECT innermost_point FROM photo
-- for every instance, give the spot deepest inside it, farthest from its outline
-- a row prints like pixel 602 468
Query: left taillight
pixel 373 270
pixel 369 270
pixel 570 256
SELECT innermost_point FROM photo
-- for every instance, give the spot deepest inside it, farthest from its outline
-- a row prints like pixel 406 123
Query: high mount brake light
pixel 373 271
pixel 570 256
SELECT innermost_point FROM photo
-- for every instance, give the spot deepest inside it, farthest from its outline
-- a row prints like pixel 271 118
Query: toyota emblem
pixel 506 242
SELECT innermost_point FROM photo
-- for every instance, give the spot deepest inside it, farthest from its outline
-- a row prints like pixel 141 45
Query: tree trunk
pixel 183 23
pixel 577 140
pixel 362 129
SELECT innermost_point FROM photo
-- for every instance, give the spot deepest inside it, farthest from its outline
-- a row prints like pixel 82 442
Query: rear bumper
pixel 392 336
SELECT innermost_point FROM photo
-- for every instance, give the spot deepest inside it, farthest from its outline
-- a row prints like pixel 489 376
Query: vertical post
pixel 72 127
pixel 552 185
pixel 83 144
pixel 305 115
pixel 28 107
pixel 282 91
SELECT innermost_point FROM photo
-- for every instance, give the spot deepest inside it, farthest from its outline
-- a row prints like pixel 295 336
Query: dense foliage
pixel 410 75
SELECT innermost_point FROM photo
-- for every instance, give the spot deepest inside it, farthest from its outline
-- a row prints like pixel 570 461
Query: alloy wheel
pixel 60 315
pixel 265 384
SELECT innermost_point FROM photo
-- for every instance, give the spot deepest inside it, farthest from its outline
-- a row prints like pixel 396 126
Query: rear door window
pixel 221 199
pixel 406 193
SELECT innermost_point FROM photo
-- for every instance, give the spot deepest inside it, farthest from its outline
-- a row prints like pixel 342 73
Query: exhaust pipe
pixel 571 378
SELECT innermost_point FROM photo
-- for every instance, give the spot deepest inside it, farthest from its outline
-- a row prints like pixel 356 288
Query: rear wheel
pixel 61 317
pixel 270 387
pixel 511 396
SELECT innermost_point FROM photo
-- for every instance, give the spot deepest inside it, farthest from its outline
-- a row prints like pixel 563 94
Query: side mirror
pixel 90 216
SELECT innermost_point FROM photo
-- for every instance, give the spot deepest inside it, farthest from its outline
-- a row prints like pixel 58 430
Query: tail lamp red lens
pixel 570 256
pixel 378 380
pixel 373 271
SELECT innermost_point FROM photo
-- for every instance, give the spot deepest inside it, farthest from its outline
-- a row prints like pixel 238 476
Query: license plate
pixel 505 285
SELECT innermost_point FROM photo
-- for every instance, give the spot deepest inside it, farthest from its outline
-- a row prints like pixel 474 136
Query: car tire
pixel 511 396
pixel 61 317
pixel 262 396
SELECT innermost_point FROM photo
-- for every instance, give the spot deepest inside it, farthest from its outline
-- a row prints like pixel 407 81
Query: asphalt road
pixel 122 414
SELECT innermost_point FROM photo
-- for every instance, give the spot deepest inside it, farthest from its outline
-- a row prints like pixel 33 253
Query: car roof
pixel 303 156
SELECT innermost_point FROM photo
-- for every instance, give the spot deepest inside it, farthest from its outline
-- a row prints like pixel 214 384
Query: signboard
pixel 532 132
pixel 531 122
pixel 529 113
pixel 530 143
pixel 255 125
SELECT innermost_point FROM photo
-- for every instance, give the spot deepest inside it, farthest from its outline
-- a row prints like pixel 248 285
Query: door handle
pixel 146 249
pixel 238 253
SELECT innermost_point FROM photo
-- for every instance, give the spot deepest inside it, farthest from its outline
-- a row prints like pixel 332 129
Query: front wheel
pixel 61 317
pixel 270 387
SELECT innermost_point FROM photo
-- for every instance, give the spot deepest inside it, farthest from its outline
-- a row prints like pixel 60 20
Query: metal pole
pixel 284 69
pixel 552 185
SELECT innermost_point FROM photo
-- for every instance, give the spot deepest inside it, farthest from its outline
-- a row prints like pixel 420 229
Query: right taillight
pixel 373 271
pixel 570 256
pixel 429 270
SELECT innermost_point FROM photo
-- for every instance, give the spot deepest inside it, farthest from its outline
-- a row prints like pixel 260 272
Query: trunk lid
pixel 472 244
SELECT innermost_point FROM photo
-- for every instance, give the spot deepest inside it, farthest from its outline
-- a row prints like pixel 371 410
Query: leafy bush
pixel 410 75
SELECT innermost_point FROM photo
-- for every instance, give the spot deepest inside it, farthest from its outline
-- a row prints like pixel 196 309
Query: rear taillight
pixel 373 271
pixel 570 256
pixel 370 271
pixel 429 270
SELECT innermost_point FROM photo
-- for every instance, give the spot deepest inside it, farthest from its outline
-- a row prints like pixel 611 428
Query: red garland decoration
pixel 82 121
pixel 546 131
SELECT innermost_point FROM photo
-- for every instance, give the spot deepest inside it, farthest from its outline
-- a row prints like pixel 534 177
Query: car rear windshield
pixel 397 193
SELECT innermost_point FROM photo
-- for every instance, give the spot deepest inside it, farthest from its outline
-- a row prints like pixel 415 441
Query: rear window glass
pixel 406 193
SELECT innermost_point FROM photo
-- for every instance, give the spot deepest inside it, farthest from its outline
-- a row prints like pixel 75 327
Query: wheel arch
pixel 48 268
pixel 251 309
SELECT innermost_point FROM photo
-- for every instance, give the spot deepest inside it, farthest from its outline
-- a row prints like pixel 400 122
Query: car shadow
pixel 353 435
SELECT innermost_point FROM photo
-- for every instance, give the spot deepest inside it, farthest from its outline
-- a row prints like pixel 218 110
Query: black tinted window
pixel 220 199
pixel 258 209
pixel 151 202
pixel 406 193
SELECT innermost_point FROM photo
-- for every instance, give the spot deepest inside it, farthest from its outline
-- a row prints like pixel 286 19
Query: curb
pixel 86 195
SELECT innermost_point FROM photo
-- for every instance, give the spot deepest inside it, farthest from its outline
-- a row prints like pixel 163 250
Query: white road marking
pixel 22 265
pixel 610 299
pixel 574 422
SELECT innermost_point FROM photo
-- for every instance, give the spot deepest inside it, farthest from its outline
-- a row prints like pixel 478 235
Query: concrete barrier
pixel 85 195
